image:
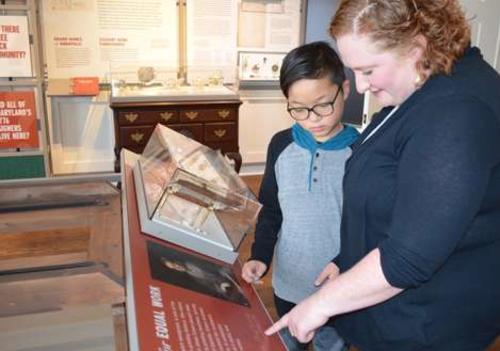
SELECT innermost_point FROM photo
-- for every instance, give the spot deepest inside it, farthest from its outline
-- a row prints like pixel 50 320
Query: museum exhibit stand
pixel 177 297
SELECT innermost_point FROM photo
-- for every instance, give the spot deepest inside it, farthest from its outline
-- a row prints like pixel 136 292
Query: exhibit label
pixel 15 58
pixel 18 123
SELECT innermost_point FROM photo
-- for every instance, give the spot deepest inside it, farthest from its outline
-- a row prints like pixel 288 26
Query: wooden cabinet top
pixel 162 104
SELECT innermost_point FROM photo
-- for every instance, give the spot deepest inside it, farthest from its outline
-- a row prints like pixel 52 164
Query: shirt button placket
pixel 315 168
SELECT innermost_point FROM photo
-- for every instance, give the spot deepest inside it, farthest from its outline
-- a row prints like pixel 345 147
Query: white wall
pixel 484 16
pixel 262 114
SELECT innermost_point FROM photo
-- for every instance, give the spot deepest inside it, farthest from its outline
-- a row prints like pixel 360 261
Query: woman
pixel 420 242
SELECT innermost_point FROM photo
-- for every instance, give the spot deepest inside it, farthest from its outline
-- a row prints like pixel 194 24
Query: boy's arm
pixel 270 217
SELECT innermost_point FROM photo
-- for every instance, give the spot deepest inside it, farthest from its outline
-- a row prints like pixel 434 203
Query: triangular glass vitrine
pixel 190 195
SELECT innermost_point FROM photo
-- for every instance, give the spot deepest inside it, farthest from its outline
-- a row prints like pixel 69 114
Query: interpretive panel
pixel 18 124
pixel 87 38
pixel 271 25
pixel 15 56
pixel 211 40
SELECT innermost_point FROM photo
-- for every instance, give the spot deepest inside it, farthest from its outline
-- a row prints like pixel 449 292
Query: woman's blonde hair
pixel 395 25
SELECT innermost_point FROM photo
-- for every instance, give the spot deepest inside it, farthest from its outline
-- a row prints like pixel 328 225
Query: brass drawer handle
pixel 166 116
pixel 191 115
pixel 223 113
pixel 220 132
pixel 131 117
pixel 137 137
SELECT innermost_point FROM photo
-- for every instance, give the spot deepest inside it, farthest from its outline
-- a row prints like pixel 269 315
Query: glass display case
pixel 259 68
pixel 150 82
pixel 190 195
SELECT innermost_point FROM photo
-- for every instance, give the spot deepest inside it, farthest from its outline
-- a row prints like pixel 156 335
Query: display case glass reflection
pixel 151 82
pixel 192 189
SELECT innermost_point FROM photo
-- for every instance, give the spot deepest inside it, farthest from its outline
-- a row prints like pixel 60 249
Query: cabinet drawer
pixel 193 130
pixel 207 115
pixel 135 136
pixel 220 131
pixel 139 117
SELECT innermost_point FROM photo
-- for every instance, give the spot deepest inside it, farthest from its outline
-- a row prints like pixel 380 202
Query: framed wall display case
pixel 259 68
pixel 190 195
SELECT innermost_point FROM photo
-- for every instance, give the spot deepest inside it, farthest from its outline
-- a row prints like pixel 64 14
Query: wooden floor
pixel 265 290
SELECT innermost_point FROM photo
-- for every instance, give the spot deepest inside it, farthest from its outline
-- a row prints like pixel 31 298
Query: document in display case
pixel 188 194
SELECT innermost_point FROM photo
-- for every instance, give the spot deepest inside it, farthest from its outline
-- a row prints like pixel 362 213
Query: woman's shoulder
pixel 452 114
pixel 472 79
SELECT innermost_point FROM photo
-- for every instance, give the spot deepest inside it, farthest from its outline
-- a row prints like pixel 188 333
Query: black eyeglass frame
pixel 311 109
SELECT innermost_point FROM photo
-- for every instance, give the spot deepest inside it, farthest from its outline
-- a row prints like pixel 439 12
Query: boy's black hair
pixel 311 61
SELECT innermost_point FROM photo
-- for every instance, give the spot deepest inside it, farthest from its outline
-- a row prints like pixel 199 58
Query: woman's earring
pixel 418 80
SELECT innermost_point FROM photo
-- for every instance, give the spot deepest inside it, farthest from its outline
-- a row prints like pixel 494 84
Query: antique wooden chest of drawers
pixel 213 123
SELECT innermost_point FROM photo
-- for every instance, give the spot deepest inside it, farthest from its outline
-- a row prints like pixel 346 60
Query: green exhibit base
pixel 15 167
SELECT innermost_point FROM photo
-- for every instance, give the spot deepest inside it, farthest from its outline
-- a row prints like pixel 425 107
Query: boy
pixel 301 190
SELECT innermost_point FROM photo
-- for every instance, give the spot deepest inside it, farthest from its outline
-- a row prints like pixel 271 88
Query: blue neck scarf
pixel 346 137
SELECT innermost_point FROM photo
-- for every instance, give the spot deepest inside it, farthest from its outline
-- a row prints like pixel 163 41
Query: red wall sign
pixel 18 127
pixel 85 85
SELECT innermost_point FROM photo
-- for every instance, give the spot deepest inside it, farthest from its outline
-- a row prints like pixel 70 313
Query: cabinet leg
pixel 236 157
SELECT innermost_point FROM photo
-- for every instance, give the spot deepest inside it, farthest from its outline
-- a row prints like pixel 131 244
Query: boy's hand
pixel 331 271
pixel 252 271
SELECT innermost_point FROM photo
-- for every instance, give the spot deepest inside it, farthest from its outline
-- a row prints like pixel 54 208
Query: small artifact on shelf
pixel 145 74
pixel 216 79
pixel 275 68
pixel 256 68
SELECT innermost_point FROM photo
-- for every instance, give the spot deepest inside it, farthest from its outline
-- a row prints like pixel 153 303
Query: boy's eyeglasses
pixel 321 110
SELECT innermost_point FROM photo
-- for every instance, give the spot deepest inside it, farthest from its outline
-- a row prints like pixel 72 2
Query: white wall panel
pixel 81 135
pixel 484 17
pixel 262 114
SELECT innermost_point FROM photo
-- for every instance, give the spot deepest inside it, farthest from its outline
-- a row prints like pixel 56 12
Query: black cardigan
pixel 425 190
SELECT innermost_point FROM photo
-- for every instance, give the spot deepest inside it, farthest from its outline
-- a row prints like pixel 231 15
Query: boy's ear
pixel 346 88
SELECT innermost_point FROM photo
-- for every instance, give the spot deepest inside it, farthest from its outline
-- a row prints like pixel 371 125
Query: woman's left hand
pixel 302 321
